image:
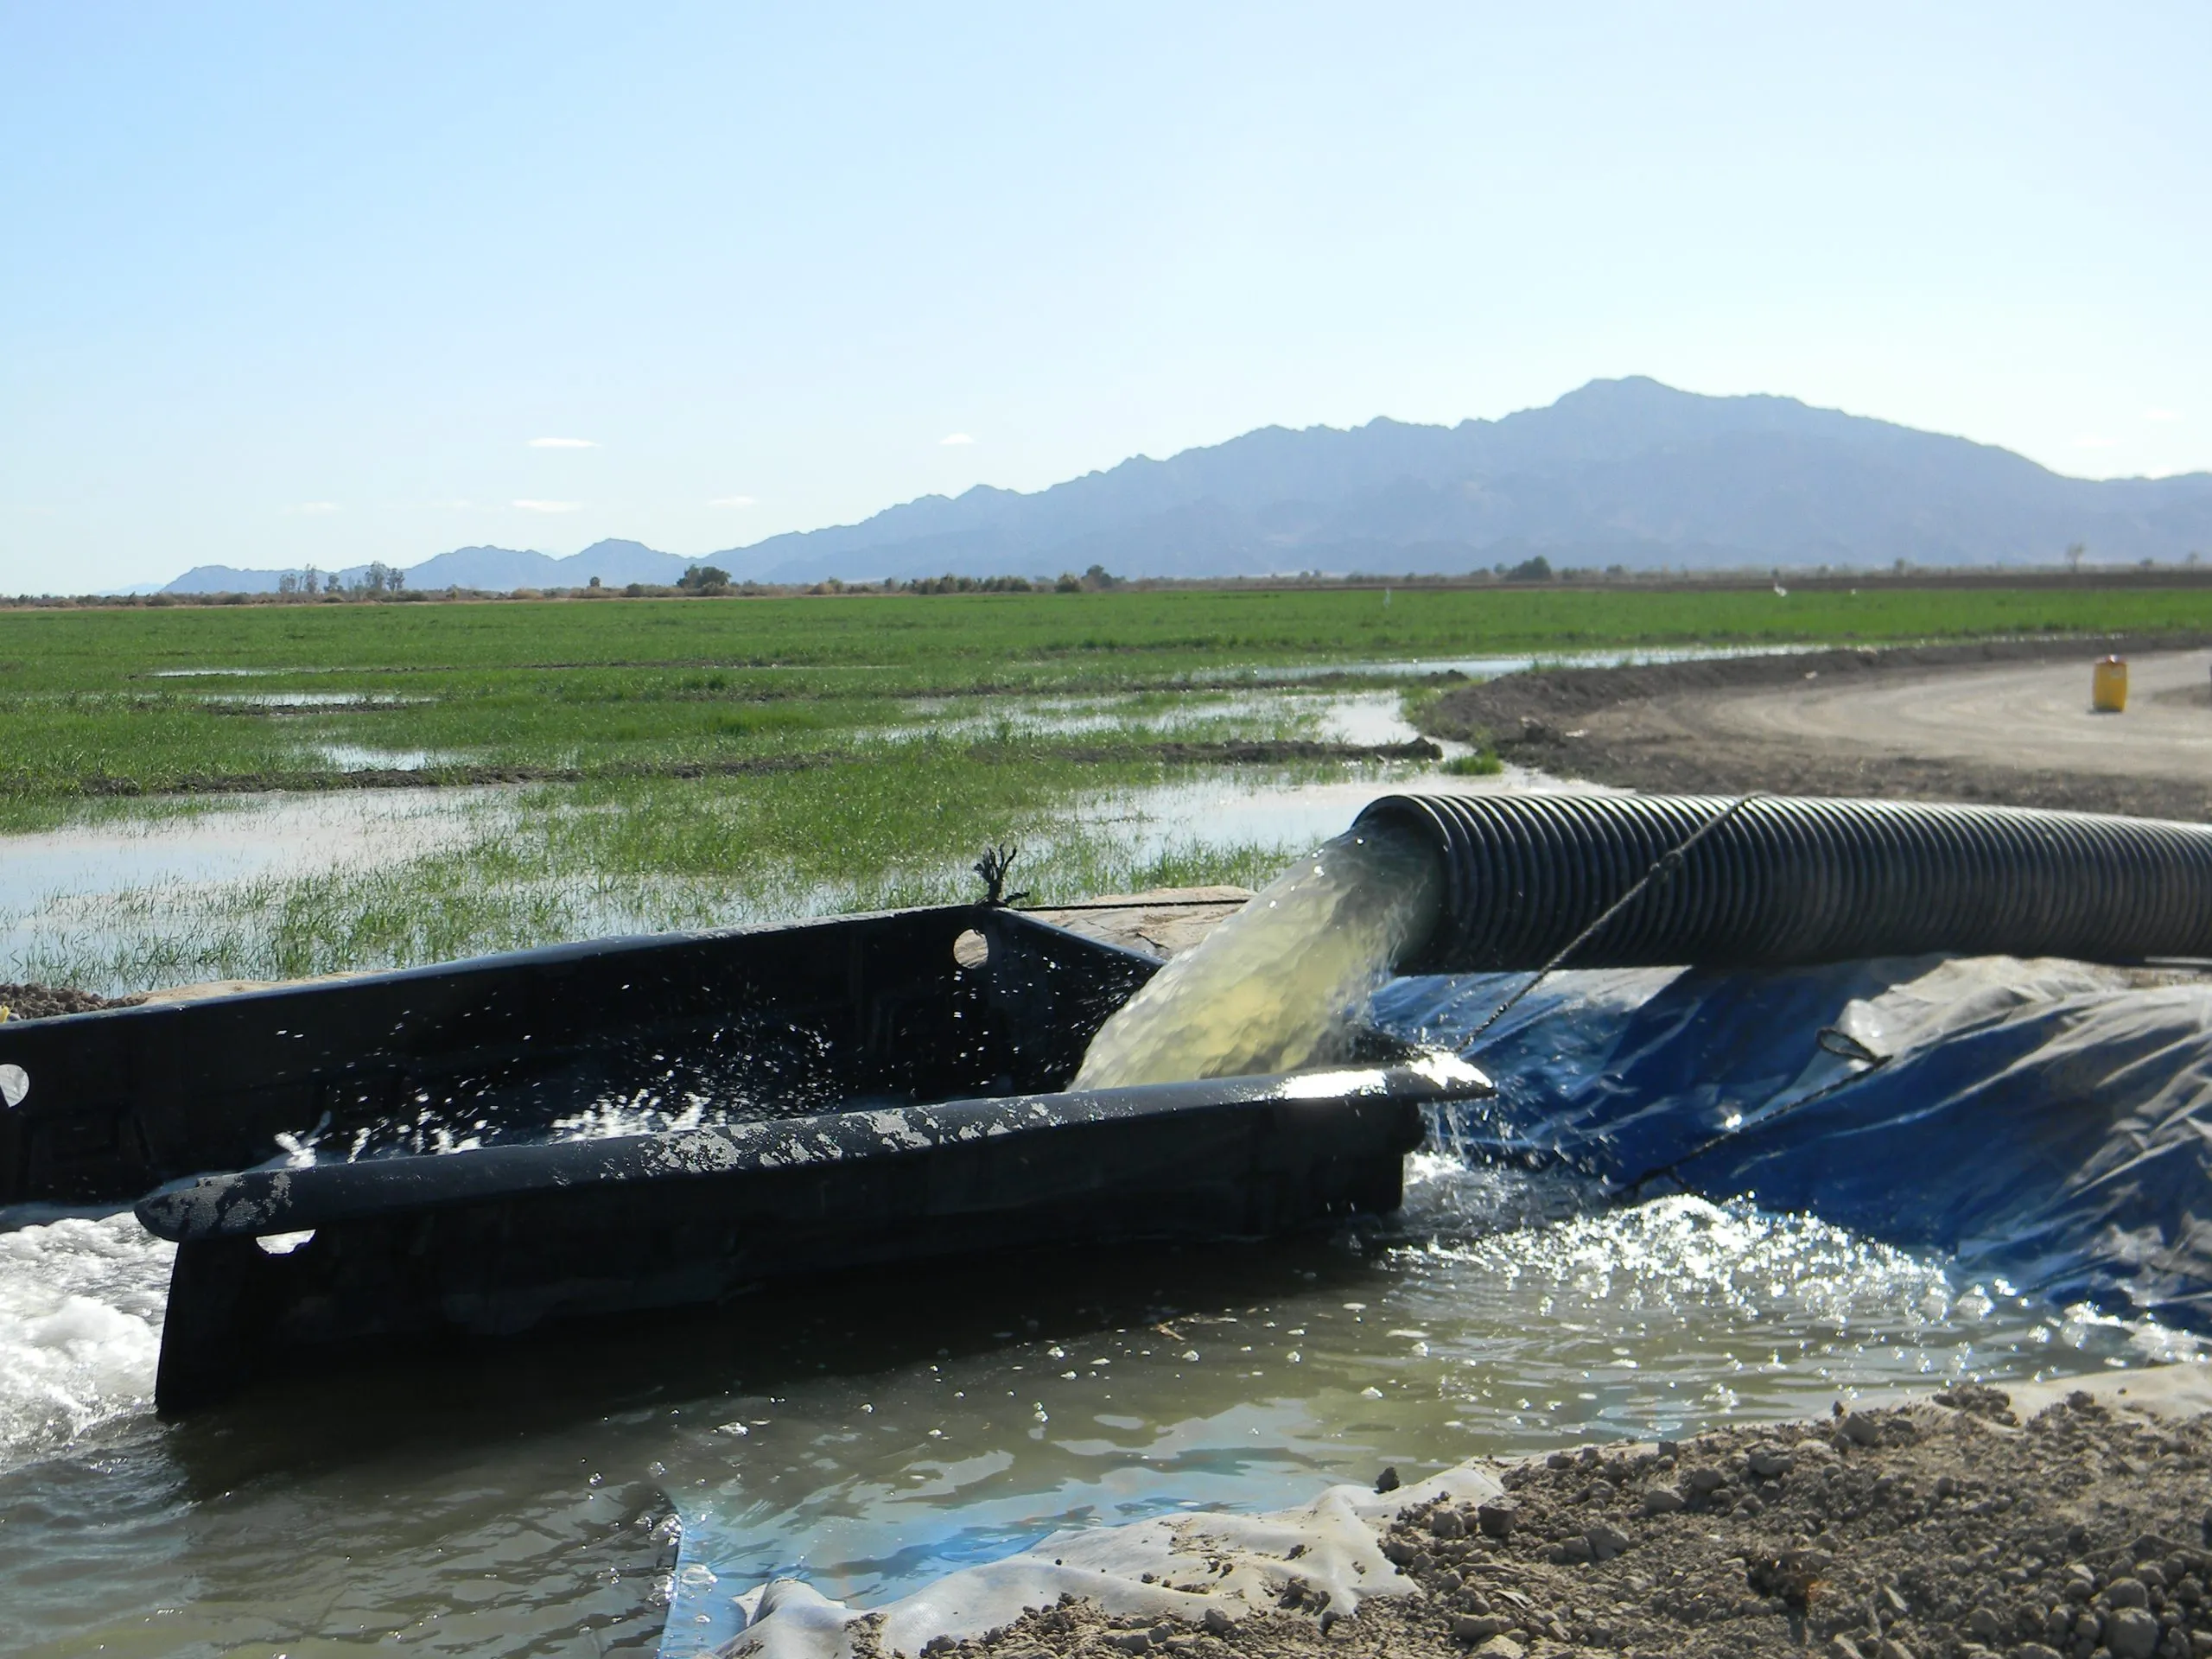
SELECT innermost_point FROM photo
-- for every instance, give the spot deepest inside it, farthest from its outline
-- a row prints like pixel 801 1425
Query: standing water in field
pixel 1278 984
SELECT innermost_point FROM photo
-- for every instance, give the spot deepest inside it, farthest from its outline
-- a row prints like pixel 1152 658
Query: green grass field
pixel 147 700
pixel 854 752
pixel 960 641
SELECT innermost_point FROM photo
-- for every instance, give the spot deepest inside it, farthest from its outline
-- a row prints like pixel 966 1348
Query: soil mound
pixel 35 1001
pixel 1948 1527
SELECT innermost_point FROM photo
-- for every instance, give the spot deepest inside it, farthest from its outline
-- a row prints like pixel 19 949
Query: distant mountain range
pixel 495 569
pixel 1621 472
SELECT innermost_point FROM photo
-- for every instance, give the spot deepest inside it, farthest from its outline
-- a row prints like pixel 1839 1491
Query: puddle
pixel 319 700
pixel 230 841
pixel 355 757
pixel 67 881
pixel 1366 718
pixel 1482 668
pixel 876 1437
pixel 119 903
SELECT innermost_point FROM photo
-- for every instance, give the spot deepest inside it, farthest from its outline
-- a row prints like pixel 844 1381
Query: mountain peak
pixel 1630 471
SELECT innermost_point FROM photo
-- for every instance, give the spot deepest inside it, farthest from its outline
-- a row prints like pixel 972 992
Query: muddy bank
pixel 1961 1525
pixel 1653 728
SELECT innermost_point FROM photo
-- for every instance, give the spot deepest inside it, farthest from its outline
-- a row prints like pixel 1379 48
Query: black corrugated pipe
pixel 1780 882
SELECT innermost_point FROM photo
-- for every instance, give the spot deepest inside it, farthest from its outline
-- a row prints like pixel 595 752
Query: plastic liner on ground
pixel 1324 1554
pixel 2045 1121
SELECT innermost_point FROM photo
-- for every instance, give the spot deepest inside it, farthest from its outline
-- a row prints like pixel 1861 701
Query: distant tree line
pixel 307 582
pixel 385 583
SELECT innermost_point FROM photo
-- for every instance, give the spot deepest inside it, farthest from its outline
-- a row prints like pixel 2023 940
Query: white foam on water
pixel 80 1328
pixel 1278 985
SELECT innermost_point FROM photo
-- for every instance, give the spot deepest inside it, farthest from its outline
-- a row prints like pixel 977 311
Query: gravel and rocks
pixel 1948 1527
pixel 35 1001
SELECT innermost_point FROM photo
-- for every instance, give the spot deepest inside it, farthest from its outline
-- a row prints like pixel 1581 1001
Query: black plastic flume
pixel 459 1153
pixel 1784 882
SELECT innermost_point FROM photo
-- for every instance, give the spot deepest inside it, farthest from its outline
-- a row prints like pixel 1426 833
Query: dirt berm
pixel 1969 1525
pixel 2002 722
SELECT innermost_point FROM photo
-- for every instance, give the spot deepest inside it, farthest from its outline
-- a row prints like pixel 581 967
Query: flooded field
pixel 123 897
pixel 133 898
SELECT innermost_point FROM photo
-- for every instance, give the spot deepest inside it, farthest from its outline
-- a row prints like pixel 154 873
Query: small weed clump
pixel 1482 763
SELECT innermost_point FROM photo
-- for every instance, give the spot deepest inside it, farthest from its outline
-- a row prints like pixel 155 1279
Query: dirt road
pixel 2008 723
pixel 2033 715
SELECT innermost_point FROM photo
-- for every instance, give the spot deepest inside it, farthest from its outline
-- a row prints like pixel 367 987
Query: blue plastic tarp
pixel 2046 1122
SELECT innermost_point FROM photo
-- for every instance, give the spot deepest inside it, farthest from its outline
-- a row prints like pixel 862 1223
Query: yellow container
pixel 2108 686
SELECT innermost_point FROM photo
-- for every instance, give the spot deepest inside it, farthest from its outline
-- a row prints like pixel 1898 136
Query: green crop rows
pixel 124 700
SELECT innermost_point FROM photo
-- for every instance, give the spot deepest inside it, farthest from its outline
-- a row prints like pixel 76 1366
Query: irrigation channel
pixel 614 1493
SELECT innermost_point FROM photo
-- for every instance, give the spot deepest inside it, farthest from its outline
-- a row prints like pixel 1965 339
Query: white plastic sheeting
pixel 1182 1565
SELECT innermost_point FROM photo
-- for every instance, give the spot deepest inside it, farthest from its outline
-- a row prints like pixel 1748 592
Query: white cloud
pixel 316 506
pixel 2162 414
pixel 563 443
pixel 734 501
pixel 955 437
pixel 546 506
pixel 2089 441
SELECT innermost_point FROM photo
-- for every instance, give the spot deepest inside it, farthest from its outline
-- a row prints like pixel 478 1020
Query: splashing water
pixel 1278 984
pixel 81 1321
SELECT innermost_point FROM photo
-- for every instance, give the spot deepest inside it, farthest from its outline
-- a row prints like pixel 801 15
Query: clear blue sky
pixel 284 282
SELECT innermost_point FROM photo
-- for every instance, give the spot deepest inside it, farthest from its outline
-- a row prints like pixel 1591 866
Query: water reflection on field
pixel 130 896
pixel 151 866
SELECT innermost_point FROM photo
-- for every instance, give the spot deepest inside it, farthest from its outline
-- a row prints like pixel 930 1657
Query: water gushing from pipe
pixel 1278 985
